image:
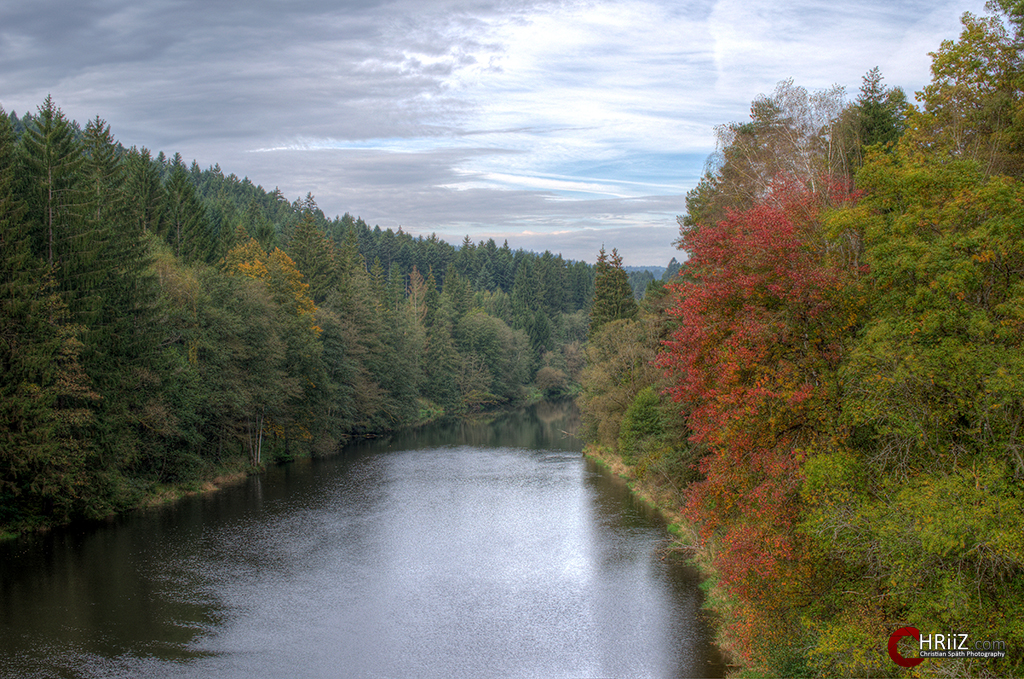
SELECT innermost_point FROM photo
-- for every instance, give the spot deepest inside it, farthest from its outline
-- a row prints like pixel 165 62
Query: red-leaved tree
pixel 761 320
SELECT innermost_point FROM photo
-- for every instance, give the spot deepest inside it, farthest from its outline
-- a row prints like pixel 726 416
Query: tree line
pixel 160 324
pixel 832 389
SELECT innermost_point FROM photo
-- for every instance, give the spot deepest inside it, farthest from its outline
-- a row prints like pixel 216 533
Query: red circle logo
pixel 894 651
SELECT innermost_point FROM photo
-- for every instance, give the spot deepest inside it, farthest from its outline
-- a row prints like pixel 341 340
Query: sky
pixel 557 125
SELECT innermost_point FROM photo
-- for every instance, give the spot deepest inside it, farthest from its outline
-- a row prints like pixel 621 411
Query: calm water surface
pixel 471 550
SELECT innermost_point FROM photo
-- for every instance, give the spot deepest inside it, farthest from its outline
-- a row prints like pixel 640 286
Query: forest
pixel 827 386
pixel 161 324
pixel 831 391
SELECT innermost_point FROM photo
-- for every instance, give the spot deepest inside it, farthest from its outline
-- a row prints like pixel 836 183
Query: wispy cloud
pixel 560 125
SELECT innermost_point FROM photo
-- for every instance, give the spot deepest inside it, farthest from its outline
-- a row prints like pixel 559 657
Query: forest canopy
pixel 160 324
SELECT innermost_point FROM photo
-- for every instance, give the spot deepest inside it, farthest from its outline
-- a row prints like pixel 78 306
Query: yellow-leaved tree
pixel 284 391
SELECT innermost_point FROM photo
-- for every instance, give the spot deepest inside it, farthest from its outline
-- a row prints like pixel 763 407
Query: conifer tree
pixel 144 191
pixel 256 222
pixel 186 223
pixel 314 255
pixel 124 334
pixel 457 294
pixel 551 288
pixel 25 351
pixel 485 279
pixel 613 298
pixel 52 182
pixel 877 117
pixel 44 393
pixel 378 287
pixel 104 173
pixel 442 364
pixel 17 265
pixel 431 299
pixel 671 271
pixel 524 296
pixel 504 272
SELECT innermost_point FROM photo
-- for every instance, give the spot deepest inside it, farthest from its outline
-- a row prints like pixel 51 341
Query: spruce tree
pixel 122 355
pixel 504 270
pixel 18 267
pixel 44 394
pixel 314 255
pixel 25 350
pixel 144 191
pixel 442 365
pixel 613 298
pixel 524 296
pixel 186 224
pixel 52 182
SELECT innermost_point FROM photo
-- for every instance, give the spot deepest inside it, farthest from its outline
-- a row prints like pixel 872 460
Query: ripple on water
pixel 451 559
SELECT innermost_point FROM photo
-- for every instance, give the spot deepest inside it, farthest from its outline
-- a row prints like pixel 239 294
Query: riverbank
pixel 664 500
pixel 224 475
pixel 174 493
pixel 157 496
pixel 684 545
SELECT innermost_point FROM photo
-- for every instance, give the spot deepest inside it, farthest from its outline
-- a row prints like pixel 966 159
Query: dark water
pixel 485 550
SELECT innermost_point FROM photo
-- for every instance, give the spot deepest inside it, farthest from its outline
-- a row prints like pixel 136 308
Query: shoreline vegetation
pixel 829 396
pixel 222 478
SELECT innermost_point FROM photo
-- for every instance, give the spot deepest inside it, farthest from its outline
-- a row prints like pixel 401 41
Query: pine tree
pixel 59 207
pixel 613 298
pixel 144 191
pixel 313 253
pixel 186 224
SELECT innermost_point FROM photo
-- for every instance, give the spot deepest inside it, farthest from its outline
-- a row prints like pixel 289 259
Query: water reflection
pixel 479 549
pixel 546 426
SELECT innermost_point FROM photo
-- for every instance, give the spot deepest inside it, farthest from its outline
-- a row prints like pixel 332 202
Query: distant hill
pixel 656 271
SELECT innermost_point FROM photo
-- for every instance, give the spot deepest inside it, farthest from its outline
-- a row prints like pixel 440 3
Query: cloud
pixel 557 123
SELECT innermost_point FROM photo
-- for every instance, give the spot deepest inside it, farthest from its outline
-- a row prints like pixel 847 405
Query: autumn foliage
pixel 843 359
pixel 761 322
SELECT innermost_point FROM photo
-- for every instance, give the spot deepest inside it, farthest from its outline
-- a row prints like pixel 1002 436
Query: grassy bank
pixel 662 497
pixel 166 494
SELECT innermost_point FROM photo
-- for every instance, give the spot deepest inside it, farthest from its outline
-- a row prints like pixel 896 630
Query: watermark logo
pixel 894 651
pixel 943 645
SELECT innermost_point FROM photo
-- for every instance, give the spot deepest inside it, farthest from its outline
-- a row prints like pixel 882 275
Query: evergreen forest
pixel 161 324
pixel 830 392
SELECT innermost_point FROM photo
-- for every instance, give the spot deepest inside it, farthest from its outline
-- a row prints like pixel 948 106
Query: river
pixel 462 550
